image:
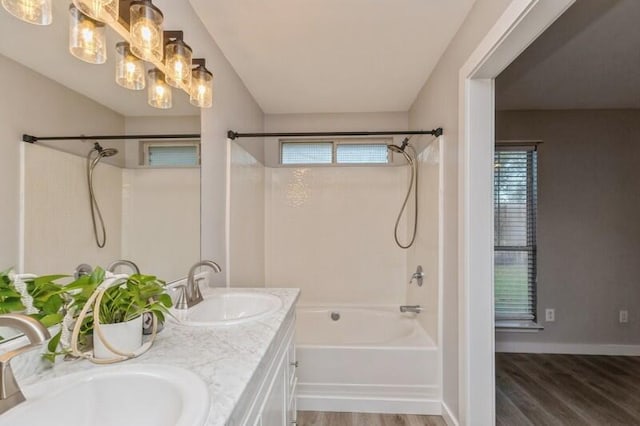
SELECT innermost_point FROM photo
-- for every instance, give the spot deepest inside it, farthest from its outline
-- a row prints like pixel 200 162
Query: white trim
pixel 568 348
pixel 22 208
pixel 422 400
pixel 227 215
pixel 519 25
pixel 448 416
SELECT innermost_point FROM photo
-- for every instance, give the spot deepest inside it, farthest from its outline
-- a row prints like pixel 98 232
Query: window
pixel 307 152
pixel 362 154
pixel 515 200
pixel 173 154
pixel 334 152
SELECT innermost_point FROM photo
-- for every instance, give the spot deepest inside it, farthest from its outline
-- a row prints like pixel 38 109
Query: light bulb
pixel 178 57
pixel 100 10
pixel 87 37
pixel 130 71
pixel 36 12
pixel 159 91
pixel 201 93
pixel 146 31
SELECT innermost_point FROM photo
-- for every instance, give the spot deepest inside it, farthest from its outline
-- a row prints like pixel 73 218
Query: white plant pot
pixel 125 337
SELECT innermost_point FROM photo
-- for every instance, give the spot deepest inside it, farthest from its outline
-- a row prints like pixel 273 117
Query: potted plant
pixel 120 313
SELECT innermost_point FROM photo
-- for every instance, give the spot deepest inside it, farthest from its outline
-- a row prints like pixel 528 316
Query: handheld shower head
pixel 399 149
pixel 108 152
pixel 104 152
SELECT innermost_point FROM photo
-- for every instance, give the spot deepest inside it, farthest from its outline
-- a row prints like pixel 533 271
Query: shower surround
pixel 328 230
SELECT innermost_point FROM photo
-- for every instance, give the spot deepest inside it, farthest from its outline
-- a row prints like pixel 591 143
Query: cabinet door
pixel 274 411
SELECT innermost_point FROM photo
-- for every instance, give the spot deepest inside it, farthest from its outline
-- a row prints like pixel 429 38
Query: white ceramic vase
pixel 125 337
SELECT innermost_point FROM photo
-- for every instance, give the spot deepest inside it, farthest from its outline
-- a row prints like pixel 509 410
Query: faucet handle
pixel 181 301
pixel 418 276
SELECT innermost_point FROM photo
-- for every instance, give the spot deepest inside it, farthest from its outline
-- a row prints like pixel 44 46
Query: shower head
pixel 399 149
pixel 108 152
pixel 104 152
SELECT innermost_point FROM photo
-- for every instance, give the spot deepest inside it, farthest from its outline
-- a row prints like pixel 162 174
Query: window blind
pixel 306 153
pixel 515 203
pixel 173 155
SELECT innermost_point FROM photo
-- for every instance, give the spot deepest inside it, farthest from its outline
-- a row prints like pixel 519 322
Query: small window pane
pixel 307 153
pixel 362 154
pixel 185 155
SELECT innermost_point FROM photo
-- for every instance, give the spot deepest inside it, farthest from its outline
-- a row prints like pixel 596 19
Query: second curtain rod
pixel 235 135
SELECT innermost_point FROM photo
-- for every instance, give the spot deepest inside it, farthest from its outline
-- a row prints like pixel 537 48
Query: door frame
pixel 521 23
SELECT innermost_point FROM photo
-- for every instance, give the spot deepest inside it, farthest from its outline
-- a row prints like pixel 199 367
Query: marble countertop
pixel 225 357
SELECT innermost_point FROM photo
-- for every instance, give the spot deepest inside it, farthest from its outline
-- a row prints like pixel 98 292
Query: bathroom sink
pixel 228 308
pixel 138 394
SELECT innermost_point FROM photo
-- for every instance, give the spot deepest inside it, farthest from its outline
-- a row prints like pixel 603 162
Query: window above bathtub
pixel 335 152
pixel 170 154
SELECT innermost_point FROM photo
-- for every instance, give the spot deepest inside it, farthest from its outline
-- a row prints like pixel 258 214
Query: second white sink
pixel 223 307
pixel 132 394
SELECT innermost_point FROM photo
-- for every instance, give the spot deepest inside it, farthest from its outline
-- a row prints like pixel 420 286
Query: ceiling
pixel 333 55
pixel 588 59
pixel 45 50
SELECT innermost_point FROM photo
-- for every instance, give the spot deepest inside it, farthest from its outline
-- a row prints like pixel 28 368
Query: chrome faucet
pixel 416 309
pixel 123 262
pixel 10 393
pixel 190 294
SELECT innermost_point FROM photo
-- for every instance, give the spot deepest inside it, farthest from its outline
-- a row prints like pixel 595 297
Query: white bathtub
pixel 373 360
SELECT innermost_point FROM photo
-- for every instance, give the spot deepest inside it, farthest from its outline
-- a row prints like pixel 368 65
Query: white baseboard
pixel 368 398
pixel 368 405
pixel 567 348
pixel 448 416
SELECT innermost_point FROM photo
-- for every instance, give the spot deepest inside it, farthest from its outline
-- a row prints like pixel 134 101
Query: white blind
pixel 307 153
pixel 173 155
pixel 515 202
pixel 362 153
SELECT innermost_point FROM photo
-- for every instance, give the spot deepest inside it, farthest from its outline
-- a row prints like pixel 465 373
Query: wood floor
pixel 312 418
pixel 540 389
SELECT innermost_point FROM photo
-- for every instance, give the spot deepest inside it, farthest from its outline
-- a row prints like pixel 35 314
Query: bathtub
pixel 370 360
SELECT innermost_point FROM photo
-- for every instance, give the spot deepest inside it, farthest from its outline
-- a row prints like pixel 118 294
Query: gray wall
pixel 31 103
pixel 437 105
pixel 588 222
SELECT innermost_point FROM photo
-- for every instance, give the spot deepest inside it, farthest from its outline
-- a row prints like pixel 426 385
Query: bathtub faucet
pixel 416 309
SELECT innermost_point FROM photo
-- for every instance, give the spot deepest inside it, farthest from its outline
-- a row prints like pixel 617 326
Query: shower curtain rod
pixel 33 139
pixel 235 135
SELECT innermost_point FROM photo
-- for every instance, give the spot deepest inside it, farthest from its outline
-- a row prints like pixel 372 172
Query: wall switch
pixel 624 316
pixel 550 315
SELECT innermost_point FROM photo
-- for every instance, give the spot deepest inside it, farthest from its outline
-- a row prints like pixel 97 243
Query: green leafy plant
pixel 122 303
pixel 10 299
pixel 48 298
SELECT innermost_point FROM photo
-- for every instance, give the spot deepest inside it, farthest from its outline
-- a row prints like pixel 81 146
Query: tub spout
pixel 416 309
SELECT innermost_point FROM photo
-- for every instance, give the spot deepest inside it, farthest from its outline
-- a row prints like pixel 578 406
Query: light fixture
pixel 36 12
pixel 159 90
pixel 140 24
pixel 129 68
pixel 177 60
pixel 146 30
pixel 87 37
pixel 201 86
pixel 100 10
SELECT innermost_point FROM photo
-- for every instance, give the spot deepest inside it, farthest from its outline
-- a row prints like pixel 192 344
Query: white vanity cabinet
pixel 275 402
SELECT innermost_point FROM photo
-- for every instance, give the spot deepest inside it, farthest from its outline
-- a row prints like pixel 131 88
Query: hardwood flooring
pixel 542 389
pixel 313 418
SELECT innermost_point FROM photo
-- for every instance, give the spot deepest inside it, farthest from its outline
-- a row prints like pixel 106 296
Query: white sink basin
pixel 138 394
pixel 228 308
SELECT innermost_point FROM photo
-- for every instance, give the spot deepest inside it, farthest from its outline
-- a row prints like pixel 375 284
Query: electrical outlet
pixel 623 316
pixel 550 315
